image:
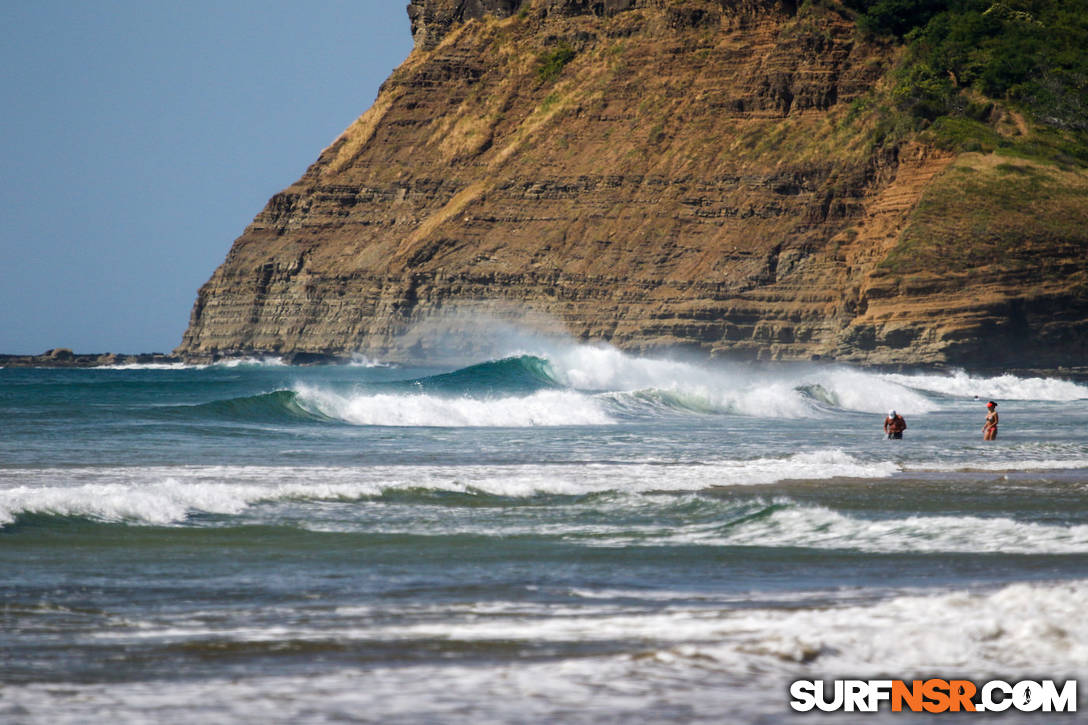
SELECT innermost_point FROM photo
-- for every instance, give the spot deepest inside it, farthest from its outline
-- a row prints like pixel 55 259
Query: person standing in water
pixel 989 428
pixel 894 425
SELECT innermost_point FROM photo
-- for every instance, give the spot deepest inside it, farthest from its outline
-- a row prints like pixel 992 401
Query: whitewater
pixel 555 533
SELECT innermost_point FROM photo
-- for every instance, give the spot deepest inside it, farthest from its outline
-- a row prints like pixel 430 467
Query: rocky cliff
pixel 657 173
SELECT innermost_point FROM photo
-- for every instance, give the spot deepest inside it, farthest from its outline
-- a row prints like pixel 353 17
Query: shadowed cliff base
pixel 742 179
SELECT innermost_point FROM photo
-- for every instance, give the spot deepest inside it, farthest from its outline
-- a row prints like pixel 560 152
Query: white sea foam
pixel 162 495
pixel 796 391
pixel 169 499
pixel 1022 629
pixel 677 663
pixel 867 392
pixel 813 465
pixel 1017 627
pixel 821 528
pixel 600 367
pixel 1007 630
pixel 542 408
pixel 603 368
pixel 151 366
pixel 171 495
pixel 1005 464
pixel 266 362
pixel 231 363
pixel 359 360
pixel 786 392
pixel 1004 387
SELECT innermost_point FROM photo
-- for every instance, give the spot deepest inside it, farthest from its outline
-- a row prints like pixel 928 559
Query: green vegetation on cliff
pixel 986 214
pixel 968 62
pixel 1007 80
pixel 551 64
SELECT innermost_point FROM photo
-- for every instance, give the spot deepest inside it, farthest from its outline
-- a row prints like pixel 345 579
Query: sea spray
pixel 767 391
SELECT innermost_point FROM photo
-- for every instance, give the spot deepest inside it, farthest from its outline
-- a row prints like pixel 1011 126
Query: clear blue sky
pixel 138 138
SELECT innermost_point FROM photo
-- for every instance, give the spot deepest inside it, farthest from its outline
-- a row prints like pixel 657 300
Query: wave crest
pixel 542 408
pixel 821 528
pixel 159 495
pixel 960 384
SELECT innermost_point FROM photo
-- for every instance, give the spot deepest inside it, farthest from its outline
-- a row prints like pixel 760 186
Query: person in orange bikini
pixel 989 428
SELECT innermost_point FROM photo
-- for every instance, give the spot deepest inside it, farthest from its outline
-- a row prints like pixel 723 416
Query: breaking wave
pixel 275 407
pixel 791 525
pixel 586 385
pixel 700 661
pixel 591 385
pixel 621 519
pixel 163 495
pixel 1004 387
pixel 542 408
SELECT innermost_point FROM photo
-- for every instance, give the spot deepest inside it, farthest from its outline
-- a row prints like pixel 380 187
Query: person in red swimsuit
pixel 989 428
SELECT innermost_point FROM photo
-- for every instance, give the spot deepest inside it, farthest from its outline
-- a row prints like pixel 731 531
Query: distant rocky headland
pixel 62 357
pixel 753 179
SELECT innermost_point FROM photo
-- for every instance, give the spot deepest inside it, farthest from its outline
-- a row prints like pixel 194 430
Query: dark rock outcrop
pixel 63 357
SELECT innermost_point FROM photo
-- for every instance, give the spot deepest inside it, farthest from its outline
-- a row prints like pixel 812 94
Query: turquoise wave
pixel 280 406
pixel 511 375
pixel 141 393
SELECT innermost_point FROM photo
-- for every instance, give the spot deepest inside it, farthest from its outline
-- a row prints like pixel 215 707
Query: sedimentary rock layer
pixel 688 173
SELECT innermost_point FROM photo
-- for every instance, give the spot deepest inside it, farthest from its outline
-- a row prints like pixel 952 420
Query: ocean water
pixel 562 533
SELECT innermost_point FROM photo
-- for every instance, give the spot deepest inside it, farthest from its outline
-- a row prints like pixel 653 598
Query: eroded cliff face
pixel 653 174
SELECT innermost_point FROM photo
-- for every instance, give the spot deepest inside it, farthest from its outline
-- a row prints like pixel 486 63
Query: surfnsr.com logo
pixel 933 695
